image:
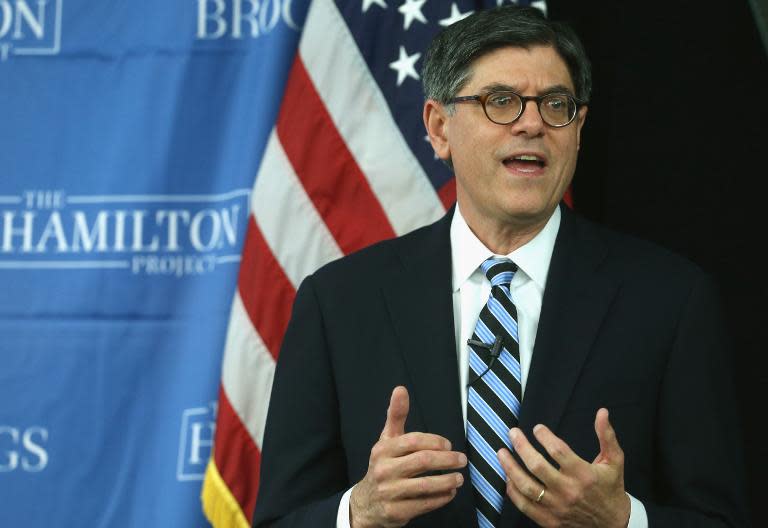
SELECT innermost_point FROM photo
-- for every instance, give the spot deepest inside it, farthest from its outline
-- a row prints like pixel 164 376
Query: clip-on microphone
pixel 495 352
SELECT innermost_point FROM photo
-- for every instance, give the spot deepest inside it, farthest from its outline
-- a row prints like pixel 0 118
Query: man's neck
pixel 502 237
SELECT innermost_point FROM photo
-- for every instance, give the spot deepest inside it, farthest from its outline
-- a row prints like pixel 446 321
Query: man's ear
pixel 436 123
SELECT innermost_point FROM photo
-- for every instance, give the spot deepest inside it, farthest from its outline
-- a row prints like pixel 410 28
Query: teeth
pixel 527 157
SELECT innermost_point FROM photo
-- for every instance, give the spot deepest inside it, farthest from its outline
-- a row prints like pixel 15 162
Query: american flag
pixel 347 164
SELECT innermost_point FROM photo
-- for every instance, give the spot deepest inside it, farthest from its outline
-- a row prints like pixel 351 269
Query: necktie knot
pixel 499 270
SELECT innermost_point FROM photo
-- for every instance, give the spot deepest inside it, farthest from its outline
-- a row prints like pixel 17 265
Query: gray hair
pixel 447 66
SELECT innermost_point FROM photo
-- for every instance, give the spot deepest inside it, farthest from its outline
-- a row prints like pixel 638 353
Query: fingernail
pixel 536 428
pixel 459 479
pixel 514 434
pixel 447 445
pixel 462 459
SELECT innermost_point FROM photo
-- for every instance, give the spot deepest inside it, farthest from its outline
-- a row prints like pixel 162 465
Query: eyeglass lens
pixel 505 107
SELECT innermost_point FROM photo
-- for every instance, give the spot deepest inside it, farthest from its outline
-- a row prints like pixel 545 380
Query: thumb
pixel 396 413
pixel 610 451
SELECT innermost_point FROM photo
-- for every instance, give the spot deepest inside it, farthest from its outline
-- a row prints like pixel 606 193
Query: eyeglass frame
pixel 482 98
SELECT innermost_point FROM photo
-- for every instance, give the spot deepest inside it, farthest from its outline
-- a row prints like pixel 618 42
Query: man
pixel 509 326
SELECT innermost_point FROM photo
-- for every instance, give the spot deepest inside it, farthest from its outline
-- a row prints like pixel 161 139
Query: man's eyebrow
pixel 499 87
pixel 556 88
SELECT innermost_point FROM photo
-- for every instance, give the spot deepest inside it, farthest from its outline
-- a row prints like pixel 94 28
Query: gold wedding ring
pixel 541 495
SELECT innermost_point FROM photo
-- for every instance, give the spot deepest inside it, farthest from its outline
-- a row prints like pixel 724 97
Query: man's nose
pixel 530 121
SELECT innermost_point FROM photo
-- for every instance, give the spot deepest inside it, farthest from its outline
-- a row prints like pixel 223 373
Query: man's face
pixel 493 187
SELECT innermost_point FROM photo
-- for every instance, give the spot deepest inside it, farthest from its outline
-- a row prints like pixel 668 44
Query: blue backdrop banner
pixel 130 136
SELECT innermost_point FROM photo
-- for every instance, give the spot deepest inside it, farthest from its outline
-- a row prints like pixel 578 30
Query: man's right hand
pixel 393 490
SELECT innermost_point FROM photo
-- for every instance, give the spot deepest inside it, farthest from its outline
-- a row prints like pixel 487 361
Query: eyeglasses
pixel 503 108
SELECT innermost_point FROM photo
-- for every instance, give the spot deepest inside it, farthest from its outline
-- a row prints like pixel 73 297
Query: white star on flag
pixel 368 3
pixel 411 11
pixel 456 15
pixel 405 66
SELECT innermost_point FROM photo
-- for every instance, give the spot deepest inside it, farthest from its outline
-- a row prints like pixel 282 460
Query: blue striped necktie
pixel 493 398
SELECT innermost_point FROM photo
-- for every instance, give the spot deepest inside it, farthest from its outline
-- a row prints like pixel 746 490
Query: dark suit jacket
pixel 623 325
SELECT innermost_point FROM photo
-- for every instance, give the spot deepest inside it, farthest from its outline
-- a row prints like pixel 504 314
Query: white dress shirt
pixel 471 290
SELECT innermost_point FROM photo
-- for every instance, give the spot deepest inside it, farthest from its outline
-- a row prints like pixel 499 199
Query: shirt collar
pixel 533 258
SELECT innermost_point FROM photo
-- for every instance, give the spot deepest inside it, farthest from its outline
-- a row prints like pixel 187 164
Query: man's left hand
pixel 579 494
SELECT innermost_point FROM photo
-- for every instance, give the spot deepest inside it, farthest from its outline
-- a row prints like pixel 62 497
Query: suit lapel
pixel 420 306
pixel 576 300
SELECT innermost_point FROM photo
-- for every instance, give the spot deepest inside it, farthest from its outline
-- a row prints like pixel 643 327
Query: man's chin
pixel 529 213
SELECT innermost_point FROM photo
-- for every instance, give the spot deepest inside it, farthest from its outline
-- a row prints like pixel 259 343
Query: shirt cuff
pixel 637 516
pixel 342 517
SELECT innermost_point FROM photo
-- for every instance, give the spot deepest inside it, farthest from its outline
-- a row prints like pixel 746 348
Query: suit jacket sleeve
pixel 700 467
pixel 303 471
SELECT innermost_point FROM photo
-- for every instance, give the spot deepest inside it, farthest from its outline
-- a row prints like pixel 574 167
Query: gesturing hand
pixel 392 491
pixel 579 494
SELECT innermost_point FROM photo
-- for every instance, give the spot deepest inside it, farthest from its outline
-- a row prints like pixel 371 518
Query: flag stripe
pixel 337 174
pixel 239 463
pixel 280 205
pixel 263 283
pixel 362 117
pixel 246 352
pixel 326 168
pixel 447 193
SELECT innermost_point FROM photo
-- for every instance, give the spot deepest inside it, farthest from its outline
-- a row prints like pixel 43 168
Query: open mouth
pixel 525 162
